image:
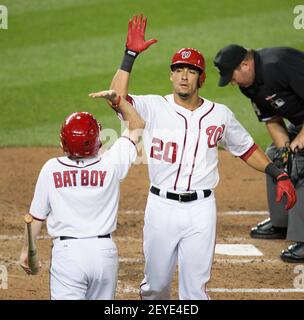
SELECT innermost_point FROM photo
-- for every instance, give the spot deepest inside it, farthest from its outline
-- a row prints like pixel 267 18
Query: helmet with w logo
pixel 80 135
pixel 191 57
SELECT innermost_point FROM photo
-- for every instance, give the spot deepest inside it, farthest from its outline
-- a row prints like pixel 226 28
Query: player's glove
pixel 136 42
pixel 284 185
pixel 295 166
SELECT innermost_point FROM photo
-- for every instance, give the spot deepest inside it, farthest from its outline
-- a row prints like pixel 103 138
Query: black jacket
pixel 278 88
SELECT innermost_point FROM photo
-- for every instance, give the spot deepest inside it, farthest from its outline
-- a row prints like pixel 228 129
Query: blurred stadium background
pixel 57 51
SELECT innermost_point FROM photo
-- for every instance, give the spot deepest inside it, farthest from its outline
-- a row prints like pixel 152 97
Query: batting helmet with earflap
pixel 80 135
pixel 192 57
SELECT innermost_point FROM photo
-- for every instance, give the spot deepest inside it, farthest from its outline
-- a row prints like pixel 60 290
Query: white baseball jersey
pixel 80 198
pixel 181 145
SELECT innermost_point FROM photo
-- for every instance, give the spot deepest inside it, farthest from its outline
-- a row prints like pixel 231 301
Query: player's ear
pixel 198 83
pixel 245 65
pixel 171 74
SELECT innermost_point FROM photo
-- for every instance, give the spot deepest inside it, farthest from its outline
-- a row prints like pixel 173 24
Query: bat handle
pixel 32 252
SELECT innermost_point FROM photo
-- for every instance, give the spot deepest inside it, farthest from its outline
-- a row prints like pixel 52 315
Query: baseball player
pixel 78 195
pixel 181 137
pixel 273 78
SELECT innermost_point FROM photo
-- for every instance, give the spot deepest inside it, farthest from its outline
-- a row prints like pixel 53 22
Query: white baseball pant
pixel 178 232
pixel 83 269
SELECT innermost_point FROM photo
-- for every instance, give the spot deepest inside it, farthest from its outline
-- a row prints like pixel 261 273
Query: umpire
pixel 273 79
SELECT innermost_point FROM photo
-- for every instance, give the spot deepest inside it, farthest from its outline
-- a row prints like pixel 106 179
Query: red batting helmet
pixel 192 57
pixel 80 135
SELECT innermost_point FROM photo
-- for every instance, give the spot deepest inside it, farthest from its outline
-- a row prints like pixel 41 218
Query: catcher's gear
pixel 295 166
pixel 80 135
pixel 191 57
pixel 136 42
pixel 285 187
pixel 281 157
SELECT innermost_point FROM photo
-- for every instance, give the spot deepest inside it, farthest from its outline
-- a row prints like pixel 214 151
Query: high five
pixel 181 136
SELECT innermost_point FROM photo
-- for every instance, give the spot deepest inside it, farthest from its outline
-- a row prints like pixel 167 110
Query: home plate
pixel 237 250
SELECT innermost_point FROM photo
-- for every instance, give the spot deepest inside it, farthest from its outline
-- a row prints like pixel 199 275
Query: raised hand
pixel 110 95
pixel 136 35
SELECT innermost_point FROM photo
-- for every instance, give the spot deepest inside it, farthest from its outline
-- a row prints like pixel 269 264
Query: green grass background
pixel 57 51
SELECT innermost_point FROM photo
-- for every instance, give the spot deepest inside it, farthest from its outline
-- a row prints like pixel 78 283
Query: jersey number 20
pixel 160 151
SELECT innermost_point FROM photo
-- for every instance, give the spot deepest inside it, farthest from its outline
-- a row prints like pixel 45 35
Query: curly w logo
pixel 186 54
pixel 215 134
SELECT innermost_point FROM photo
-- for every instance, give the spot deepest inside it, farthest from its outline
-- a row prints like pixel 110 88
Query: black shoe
pixel 294 253
pixel 265 230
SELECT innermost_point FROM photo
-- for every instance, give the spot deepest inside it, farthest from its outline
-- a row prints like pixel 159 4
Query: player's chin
pixel 183 95
pixel 243 84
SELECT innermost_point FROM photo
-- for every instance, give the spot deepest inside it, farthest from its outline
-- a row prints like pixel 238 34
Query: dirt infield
pixel 233 277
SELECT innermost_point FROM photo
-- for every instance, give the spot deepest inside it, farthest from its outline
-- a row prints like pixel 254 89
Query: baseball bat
pixel 33 261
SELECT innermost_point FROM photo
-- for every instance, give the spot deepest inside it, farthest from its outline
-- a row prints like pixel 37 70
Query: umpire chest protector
pixel 278 88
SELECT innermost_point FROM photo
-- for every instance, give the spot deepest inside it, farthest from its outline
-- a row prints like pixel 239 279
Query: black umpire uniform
pixel 277 91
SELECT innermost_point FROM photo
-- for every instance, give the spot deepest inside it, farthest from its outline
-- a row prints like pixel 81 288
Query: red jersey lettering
pixel 67 182
pixel 84 177
pixel 87 178
pixel 170 152
pixel 73 173
pixel 102 175
pixel 215 134
pixel 156 148
pixel 94 178
pixel 57 179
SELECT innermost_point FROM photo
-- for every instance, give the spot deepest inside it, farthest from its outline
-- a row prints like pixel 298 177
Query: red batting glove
pixel 284 186
pixel 136 35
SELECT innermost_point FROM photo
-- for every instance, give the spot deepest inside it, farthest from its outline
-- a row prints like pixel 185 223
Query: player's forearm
pixel 121 106
pixel 133 135
pixel 120 82
pixel 36 229
pixel 133 120
pixel 130 115
pixel 278 132
pixel 258 160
